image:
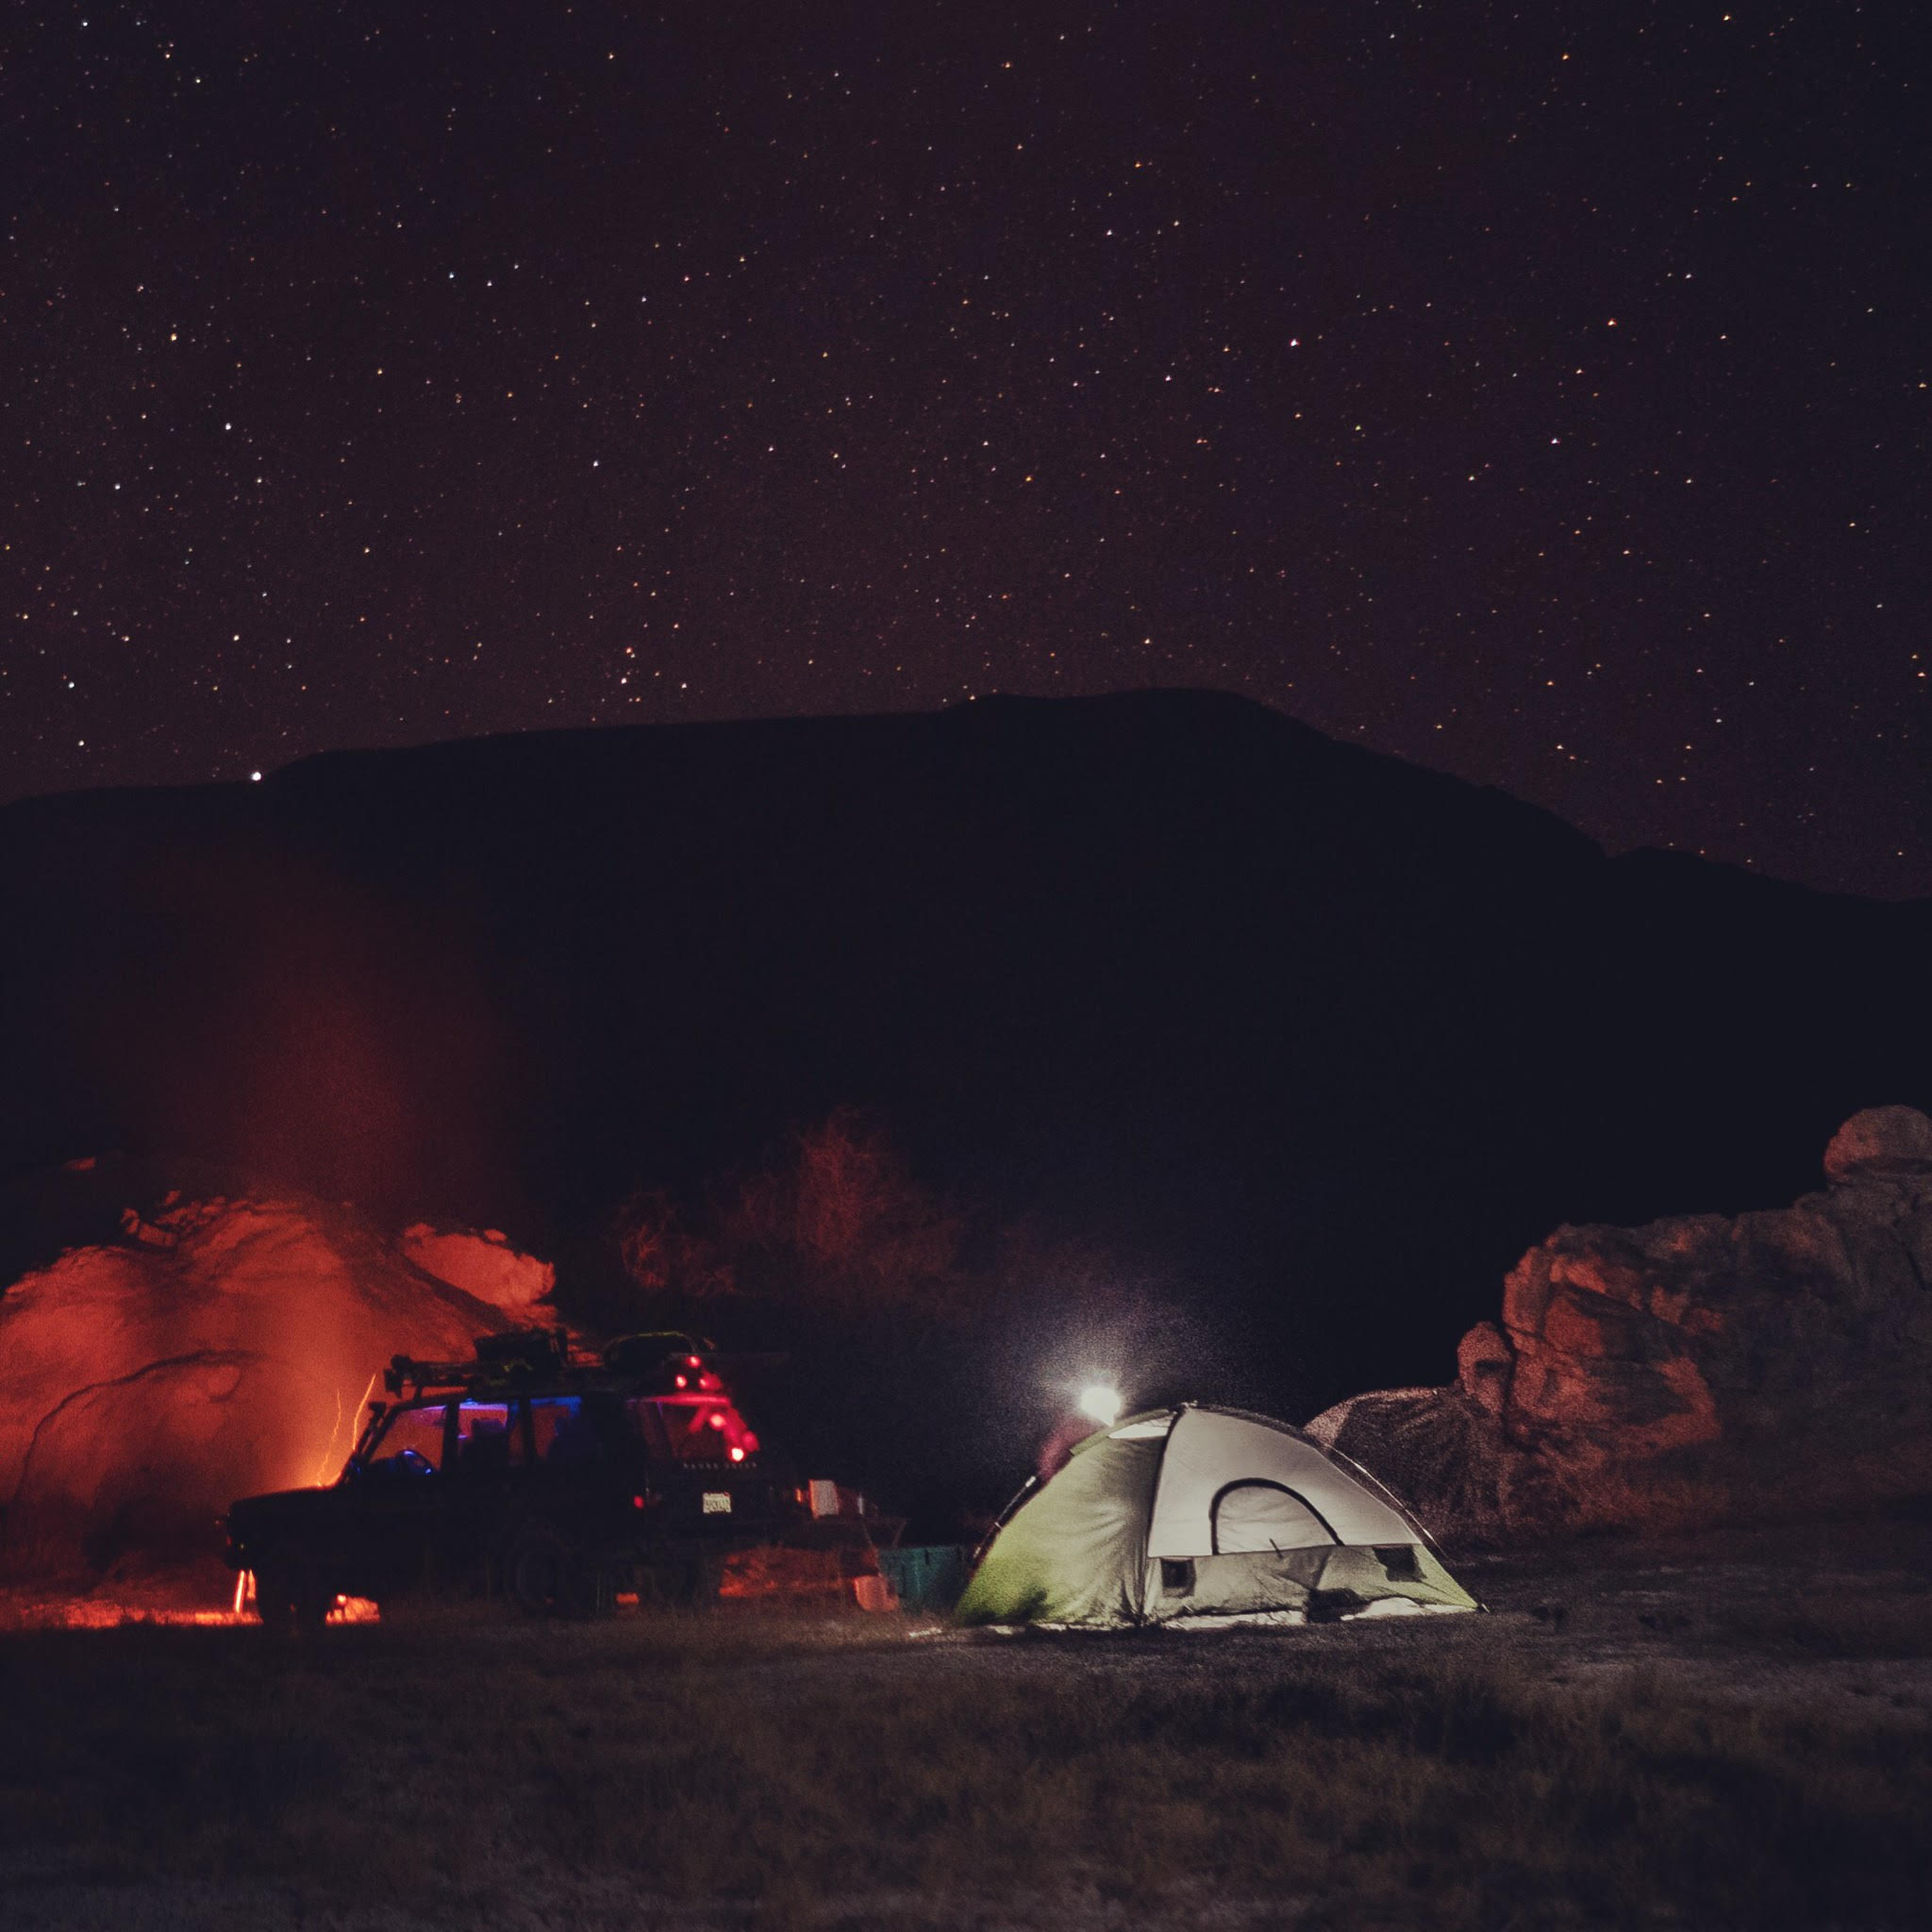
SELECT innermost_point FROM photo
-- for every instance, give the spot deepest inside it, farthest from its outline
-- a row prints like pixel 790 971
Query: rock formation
pixel 223 1347
pixel 484 1265
pixel 1690 1370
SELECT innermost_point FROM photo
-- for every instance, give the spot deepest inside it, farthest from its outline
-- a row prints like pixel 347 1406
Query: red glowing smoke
pixel 224 1347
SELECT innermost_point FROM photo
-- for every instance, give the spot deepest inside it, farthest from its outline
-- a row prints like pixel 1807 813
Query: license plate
pixel 717 1501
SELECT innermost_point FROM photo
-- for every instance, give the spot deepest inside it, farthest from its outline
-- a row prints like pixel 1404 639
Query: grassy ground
pixel 858 1772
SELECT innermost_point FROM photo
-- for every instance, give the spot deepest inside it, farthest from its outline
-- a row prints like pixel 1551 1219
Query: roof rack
pixel 517 1358
pixel 506 1359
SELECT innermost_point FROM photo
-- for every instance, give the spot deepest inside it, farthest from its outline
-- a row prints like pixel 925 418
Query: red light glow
pixel 703 1427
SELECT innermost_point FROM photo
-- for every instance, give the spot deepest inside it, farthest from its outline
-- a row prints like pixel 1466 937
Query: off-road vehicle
pixel 548 1474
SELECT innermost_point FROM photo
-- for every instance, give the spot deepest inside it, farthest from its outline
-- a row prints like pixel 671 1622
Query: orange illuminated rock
pixel 223 1346
pixel 484 1265
pixel 1695 1368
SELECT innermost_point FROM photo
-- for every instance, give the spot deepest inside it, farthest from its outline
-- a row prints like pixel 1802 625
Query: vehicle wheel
pixel 292 1600
pixel 274 1602
pixel 660 1583
pixel 538 1566
pixel 591 1592
pixel 314 1600
pixel 700 1577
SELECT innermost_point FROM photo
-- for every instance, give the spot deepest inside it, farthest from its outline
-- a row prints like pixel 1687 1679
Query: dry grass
pixel 1866 1625
pixel 457 1765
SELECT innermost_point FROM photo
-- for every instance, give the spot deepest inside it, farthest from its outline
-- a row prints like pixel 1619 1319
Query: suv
pixel 538 1472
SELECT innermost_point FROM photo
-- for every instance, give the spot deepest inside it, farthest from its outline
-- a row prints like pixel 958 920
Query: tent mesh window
pixel 1176 1575
pixel 1255 1514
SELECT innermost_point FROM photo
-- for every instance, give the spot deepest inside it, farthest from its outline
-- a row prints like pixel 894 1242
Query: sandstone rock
pixel 1696 1368
pixel 1882 1139
pixel 224 1346
pixel 484 1265
pixel 1484 1366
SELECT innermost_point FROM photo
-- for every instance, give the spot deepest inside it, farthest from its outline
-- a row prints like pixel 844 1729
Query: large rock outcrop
pixel 485 1265
pixel 223 1347
pixel 1694 1369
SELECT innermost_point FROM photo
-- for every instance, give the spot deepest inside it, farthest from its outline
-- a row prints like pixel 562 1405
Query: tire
pixel 274 1602
pixel 708 1576
pixel 545 1574
pixel 693 1577
pixel 292 1600
pixel 314 1600
pixel 592 1591
pixel 662 1583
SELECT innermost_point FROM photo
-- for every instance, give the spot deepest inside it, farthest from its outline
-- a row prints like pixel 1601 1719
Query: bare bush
pixel 664 1257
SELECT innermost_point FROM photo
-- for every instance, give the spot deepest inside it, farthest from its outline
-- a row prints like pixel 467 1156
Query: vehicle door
pixel 395 1494
pixel 582 1464
pixel 489 1455
pixel 699 1445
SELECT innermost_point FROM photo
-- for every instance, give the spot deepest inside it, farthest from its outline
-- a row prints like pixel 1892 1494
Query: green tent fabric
pixel 1199 1517
pixel 1076 1552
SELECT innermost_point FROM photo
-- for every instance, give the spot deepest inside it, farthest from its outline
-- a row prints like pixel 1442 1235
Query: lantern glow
pixel 1101 1403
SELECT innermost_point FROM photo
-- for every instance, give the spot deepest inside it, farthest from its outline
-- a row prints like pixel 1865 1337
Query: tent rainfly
pixel 1203 1517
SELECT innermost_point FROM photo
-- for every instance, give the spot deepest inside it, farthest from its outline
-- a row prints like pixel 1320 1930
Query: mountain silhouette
pixel 1318 1038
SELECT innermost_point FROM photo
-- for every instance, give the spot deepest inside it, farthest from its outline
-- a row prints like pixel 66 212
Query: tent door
pixel 1258 1515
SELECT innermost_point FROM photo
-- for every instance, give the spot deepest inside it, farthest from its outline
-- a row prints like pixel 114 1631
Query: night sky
pixel 1539 396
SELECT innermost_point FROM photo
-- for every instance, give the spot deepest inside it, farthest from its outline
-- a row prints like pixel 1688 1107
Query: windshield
pixel 411 1437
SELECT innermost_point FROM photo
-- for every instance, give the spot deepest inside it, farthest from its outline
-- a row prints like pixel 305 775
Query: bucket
pixel 927 1576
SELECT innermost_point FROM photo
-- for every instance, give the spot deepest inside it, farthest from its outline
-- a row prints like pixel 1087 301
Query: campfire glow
pixel 21 1611
pixel 225 1348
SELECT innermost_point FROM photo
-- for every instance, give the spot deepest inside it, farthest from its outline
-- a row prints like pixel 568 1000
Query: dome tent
pixel 1206 1516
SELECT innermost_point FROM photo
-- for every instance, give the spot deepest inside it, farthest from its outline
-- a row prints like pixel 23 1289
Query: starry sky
pixel 1538 395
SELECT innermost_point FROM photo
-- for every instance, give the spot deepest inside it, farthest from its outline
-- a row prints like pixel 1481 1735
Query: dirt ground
pixel 1813 1632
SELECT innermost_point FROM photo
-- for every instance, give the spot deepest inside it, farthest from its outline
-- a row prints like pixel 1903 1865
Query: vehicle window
pixel 485 1439
pixel 704 1428
pixel 650 1426
pixel 561 1429
pixel 412 1438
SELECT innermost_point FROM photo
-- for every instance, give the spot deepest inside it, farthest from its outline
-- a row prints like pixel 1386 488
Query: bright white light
pixel 1100 1402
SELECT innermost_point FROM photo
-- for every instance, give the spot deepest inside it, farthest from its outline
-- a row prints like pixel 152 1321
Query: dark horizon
pixel 539 734
pixel 1165 972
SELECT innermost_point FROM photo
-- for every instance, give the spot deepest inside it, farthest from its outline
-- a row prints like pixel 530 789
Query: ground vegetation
pixel 1722 1734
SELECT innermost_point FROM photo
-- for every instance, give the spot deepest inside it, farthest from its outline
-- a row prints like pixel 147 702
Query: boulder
pixel 1880 1140
pixel 1695 1369
pixel 485 1265
pixel 222 1346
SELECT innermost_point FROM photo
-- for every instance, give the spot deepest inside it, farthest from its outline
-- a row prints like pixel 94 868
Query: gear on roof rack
pixel 518 1357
